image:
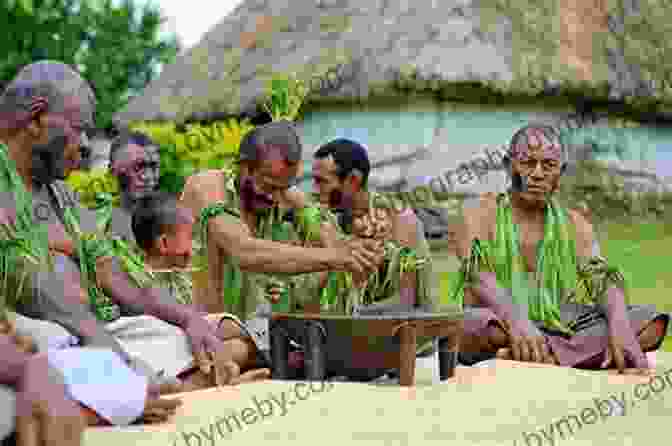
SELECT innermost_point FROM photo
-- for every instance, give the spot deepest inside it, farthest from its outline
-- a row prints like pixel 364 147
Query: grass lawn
pixel 643 250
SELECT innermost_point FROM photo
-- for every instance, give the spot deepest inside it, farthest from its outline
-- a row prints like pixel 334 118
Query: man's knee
pixel 653 334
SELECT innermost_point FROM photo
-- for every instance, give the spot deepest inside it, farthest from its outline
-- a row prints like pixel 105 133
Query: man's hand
pixel 42 404
pixel 157 409
pixel 359 256
pixel 63 247
pixel 204 341
pixel 211 356
pixel 615 358
pixel 528 344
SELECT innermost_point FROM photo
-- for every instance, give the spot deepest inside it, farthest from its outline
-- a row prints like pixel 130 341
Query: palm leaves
pixel 286 95
pixel 90 247
pixel 89 185
pixel 19 256
pixel 184 151
pixel 595 276
pixel 24 244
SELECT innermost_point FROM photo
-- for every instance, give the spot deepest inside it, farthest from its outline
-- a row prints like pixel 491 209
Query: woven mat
pixel 496 403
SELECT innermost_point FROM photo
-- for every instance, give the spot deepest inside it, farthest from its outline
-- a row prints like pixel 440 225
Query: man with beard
pixel 523 256
pixel 42 114
pixel 340 173
pixel 245 218
pixel 147 213
pixel 163 340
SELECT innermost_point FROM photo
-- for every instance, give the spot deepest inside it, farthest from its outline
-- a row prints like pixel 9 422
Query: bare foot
pixel 159 410
pixel 170 388
pixel 225 373
pixel 507 354
pixel 252 375
pixel 231 375
pixel 504 353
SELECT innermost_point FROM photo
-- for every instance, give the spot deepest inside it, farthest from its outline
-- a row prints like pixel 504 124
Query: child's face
pixel 175 246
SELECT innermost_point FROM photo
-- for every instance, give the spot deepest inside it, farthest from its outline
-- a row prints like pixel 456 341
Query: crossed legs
pixel 494 340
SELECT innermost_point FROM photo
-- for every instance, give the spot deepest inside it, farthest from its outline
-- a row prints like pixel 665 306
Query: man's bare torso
pixel 480 221
pixel 207 188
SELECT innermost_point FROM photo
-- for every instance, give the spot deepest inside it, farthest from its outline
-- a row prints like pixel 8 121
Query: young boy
pixel 163 231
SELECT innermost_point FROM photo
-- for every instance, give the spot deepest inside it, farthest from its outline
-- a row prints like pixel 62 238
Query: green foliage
pixel 115 45
pixel 191 148
pixel 90 183
pixel 26 6
pixel 196 147
pixel 285 96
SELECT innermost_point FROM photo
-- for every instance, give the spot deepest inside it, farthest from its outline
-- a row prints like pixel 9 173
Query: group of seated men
pixel 111 286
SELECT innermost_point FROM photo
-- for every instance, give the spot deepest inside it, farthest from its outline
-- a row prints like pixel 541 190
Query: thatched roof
pixel 452 48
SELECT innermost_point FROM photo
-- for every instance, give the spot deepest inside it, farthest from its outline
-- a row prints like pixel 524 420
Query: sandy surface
pixel 499 402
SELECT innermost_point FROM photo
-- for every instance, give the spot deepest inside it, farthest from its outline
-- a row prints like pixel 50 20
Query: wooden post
pixel 408 341
pixel 279 352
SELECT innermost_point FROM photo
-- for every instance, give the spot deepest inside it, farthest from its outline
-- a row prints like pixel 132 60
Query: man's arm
pixel 115 281
pixel 622 337
pixel 614 305
pixel 56 297
pixel 254 254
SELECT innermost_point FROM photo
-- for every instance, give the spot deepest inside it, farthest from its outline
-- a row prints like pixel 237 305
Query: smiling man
pixel 525 261
pixel 245 218
pixel 340 173
pixel 341 170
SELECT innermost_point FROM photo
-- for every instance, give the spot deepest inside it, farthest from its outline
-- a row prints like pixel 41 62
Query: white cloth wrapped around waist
pixel 100 380
pixel 46 335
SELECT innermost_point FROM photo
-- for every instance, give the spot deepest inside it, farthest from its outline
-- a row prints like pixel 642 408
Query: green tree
pixel 117 47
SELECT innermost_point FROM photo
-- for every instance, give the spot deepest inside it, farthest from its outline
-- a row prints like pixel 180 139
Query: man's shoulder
pixel 482 208
pixel 205 179
pixel 582 225
pixel 206 186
